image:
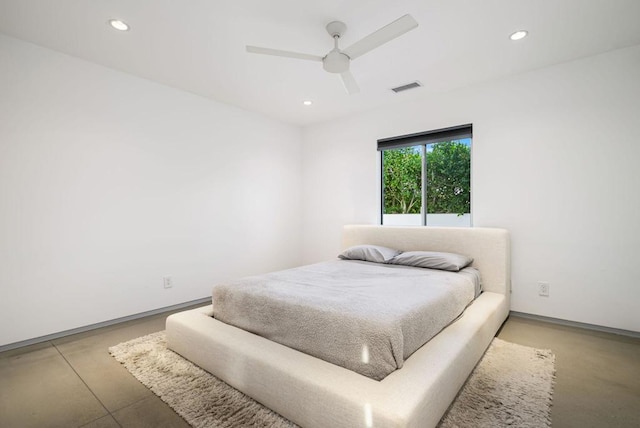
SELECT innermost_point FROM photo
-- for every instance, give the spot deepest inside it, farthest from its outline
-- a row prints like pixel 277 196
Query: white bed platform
pixel 314 393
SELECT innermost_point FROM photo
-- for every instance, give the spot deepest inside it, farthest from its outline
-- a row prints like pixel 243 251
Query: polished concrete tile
pixel 597 374
pixel 149 413
pixel 40 389
pixel 74 382
pixel 56 383
pixel 103 422
pixel 112 384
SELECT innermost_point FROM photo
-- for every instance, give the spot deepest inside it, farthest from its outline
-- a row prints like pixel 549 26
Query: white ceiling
pixel 199 45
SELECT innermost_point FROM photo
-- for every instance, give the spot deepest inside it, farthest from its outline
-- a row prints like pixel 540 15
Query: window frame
pixel 423 139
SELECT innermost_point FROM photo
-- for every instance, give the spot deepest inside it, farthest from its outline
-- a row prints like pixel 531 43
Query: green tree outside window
pixel 448 179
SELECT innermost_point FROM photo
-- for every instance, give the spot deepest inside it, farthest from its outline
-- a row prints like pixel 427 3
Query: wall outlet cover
pixel 543 289
pixel 168 282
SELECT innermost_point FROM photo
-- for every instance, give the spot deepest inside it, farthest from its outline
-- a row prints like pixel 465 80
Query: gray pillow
pixel 432 260
pixel 369 253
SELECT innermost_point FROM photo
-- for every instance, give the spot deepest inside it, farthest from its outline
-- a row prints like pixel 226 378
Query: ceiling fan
pixel 337 60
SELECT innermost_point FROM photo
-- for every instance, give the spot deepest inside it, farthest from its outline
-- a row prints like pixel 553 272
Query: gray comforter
pixel 366 317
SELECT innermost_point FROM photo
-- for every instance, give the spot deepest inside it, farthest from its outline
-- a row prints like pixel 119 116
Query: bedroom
pixel 110 181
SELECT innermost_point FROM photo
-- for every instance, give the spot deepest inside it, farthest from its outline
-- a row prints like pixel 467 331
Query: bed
pixel 314 393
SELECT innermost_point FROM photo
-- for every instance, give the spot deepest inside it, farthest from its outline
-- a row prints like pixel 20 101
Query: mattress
pixel 366 317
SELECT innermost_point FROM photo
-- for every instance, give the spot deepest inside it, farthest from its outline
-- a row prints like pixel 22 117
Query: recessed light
pixel 307 102
pixel 119 25
pixel 521 34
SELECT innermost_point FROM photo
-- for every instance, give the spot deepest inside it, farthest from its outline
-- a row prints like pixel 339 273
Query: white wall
pixel 109 182
pixel 435 220
pixel 555 161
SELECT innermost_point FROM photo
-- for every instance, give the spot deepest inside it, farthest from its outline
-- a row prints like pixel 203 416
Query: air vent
pixel 406 87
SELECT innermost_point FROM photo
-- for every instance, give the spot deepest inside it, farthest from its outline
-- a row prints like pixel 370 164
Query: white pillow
pixel 369 253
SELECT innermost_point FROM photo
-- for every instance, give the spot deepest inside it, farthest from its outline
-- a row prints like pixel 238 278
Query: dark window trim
pixel 435 136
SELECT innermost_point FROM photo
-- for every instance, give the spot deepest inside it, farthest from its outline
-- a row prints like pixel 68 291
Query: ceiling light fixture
pixel 307 102
pixel 518 35
pixel 119 25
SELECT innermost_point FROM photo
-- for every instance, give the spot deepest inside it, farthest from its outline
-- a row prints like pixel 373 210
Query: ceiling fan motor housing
pixel 336 62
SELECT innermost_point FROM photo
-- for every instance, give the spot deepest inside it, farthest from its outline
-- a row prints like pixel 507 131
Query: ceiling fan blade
pixel 277 52
pixel 349 83
pixel 381 36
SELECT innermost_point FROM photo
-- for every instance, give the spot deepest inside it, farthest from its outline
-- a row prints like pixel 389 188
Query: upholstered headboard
pixel 490 248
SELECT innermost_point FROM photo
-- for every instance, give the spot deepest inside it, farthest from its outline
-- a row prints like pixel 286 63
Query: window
pixel 426 178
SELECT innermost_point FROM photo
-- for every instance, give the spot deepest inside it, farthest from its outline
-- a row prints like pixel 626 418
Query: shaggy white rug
pixel 511 386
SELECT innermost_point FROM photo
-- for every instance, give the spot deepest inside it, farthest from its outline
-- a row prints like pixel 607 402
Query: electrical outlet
pixel 543 289
pixel 168 282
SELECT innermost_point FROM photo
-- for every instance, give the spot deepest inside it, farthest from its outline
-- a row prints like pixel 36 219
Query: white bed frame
pixel 315 393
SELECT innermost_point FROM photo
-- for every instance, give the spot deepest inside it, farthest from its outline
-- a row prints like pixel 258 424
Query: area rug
pixel 511 386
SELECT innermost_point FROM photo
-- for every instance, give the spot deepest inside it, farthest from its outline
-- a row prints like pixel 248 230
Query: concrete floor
pixel 597 374
pixel 74 382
